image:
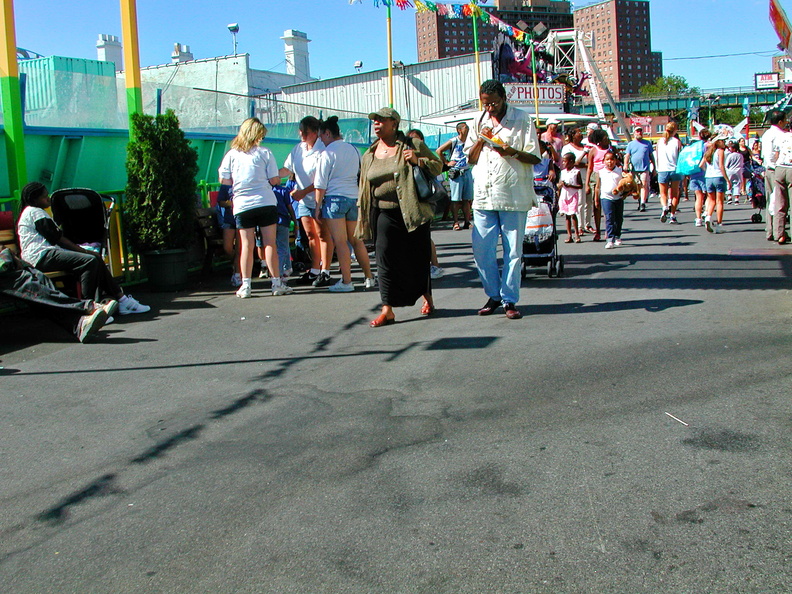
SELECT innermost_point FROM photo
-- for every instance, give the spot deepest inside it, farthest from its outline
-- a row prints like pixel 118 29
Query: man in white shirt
pixel 778 121
pixel 502 147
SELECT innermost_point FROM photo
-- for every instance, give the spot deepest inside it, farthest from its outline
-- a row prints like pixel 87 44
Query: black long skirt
pixel 403 258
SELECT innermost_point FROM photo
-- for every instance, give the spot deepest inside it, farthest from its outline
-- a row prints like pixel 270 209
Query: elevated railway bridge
pixel 717 98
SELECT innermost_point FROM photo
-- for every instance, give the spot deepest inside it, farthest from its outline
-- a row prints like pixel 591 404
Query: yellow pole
pixel 535 83
pixel 129 30
pixel 390 60
pixel 478 67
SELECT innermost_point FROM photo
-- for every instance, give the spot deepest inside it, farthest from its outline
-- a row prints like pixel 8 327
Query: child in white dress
pixel 570 188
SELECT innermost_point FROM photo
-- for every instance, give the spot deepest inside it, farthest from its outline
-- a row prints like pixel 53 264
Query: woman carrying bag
pixel 392 215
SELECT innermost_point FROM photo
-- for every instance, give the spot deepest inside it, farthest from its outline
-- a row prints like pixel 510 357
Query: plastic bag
pixel 539 223
pixel 689 158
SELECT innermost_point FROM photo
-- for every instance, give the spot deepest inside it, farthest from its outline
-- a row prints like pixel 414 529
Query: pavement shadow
pixel 650 305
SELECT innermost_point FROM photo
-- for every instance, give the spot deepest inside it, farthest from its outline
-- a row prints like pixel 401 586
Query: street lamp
pixel 234 28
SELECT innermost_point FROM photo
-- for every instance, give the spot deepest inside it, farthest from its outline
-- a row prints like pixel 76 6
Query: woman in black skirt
pixel 392 215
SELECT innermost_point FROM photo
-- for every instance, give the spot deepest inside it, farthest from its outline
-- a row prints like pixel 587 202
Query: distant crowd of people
pixel 498 169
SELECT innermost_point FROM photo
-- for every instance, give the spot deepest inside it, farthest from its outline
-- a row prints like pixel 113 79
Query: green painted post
pixel 13 117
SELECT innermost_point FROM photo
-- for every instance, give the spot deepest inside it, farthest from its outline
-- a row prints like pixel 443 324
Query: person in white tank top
pixel 716 182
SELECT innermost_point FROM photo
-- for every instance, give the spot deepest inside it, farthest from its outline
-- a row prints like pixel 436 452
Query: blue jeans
pixel 488 226
pixel 614 216
pixel 282 245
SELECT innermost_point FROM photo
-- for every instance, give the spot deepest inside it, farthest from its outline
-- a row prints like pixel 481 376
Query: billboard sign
pixel 523 93
pixel 766 80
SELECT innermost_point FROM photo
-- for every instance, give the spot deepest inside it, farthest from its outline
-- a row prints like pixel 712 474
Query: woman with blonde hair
pixel 668 148
pixel 252 171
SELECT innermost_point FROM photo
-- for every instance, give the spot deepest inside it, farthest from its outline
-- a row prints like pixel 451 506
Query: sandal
pixel 457 227
pixel 596 237
pixel 381 320
pixel 568 240
pixel 577 239
pixel 427 309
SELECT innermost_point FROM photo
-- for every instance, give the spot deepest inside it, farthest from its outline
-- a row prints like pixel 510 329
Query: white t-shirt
pixel 302 163
pixel 32 244
pixel 668 154
pixel 608 182
pixel 250 173
pixel 337 170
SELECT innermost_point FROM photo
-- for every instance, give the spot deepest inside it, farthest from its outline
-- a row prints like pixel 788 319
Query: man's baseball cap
pixel 555 121
pixel 385 112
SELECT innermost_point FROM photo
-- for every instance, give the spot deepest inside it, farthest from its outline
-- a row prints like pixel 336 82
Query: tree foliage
pixel 670 85
pixel 161 190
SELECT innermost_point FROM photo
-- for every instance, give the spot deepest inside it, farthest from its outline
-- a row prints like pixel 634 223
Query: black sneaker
pixel 323 280
pixel 643 207
pixel 306 279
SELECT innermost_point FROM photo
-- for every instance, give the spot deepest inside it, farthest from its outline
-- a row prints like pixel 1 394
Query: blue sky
pixel 342 33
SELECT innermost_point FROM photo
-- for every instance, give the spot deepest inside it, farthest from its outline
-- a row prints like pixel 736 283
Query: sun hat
pixel 555 121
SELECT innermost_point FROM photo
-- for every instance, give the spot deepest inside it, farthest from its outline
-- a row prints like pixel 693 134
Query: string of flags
pixel 457 11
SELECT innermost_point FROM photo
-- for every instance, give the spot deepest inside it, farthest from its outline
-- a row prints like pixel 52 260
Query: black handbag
pixel 428 188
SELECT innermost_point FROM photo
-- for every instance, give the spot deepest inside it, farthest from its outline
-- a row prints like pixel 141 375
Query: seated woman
pixel 44 247
pixel 81 317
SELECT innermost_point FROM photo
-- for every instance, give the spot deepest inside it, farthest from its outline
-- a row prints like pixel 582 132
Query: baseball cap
pixel 592 126
pixel 385 112
pixel 635 128
pixel 553 121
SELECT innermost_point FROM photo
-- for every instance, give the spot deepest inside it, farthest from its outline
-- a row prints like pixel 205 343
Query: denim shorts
pixel 715 184
pixel 697 183
pixel 261 216
pixel 340 207
pixel 461 187
pixel 666 177
pixel 303 211
pixel 225 218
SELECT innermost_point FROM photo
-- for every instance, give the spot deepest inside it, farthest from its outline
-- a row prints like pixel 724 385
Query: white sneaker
pixel 342 287
pixel 370 283
pixel 609 245
pixel 243 292
pixel 699 222
pixel 709 225
pixel 718 227
pixel 89 325
pixel 664 216
pixel 617 242
pixel 436 272
pixel 236 280
pixel 281 288
pixel 129 305
pixel 673 220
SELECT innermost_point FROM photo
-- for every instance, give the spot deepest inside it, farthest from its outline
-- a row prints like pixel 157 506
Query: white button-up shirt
pixel 504 183
pixel 768 151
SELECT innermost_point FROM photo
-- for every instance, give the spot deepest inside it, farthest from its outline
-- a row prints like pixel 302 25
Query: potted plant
pixel 160 201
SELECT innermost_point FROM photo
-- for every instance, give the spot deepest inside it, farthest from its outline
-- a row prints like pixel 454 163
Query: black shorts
pixel 262 216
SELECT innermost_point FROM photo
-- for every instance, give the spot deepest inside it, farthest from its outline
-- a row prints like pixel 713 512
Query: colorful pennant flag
pixel 780 22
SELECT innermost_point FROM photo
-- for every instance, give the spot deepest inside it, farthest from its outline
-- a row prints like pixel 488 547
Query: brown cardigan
pixel 414 212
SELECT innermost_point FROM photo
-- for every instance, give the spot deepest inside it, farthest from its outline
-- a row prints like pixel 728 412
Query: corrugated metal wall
pixel 420 90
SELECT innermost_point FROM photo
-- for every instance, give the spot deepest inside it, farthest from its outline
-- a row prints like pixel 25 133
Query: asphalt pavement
pixel 630 434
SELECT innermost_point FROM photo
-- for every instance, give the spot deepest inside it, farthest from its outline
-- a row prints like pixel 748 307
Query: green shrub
pixel 161 193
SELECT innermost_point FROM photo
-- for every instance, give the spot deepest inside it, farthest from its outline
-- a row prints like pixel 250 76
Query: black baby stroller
pixel 540 246
pixel 84 217
pixel 758 195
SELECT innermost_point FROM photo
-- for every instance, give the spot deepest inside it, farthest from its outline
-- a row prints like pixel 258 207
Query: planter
pixel 166 270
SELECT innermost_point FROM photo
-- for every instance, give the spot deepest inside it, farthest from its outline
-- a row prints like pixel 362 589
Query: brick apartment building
pixel 441 37
pixel 622 43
